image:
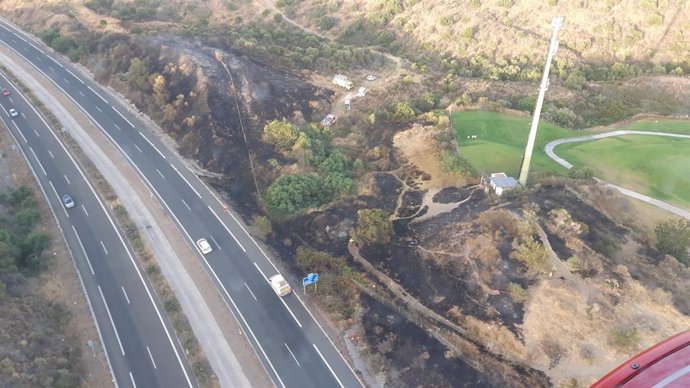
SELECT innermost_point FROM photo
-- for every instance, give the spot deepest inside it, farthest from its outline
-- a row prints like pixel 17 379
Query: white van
pixel 279 285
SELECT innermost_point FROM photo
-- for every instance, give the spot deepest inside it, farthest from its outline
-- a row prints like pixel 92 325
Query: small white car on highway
pixel 67 201
pixel 13 112
pixel 204 246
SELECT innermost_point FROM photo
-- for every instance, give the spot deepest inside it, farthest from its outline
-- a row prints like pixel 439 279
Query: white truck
pixel 342 81
pixel 279 285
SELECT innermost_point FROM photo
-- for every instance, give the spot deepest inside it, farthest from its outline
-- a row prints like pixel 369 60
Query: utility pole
pixel 524 169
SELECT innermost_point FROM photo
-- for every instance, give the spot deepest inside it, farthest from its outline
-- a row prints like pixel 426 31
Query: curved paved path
pixel 660 204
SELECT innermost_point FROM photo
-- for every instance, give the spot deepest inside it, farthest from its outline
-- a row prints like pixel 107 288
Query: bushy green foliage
pixel 327 22
pixel 452 162
pixel 585 172
pixel 263 225
pixel 137 74
pixel 336 285
pixel 292 193
pixel 21 248
pixel 516 292
pixel 401 112
pixel 673 238
pixel 331 176
pixel 624 338
pixel 373 227
pixel 281 134
pixel 62 44
pixel 426 102
pixel 531 252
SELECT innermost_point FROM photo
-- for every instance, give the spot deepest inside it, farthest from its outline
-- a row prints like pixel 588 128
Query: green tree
pixel 373 227
pixel 531 252
pixel 673 238
pixel 138 73
pixel 401 112
pixel 282 135
pixel 292 193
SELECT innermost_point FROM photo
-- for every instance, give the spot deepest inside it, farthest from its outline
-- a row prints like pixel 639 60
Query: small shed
pixel 500 182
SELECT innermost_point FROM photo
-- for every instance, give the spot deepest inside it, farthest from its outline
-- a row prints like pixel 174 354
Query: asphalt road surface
pixel 290 343
pixel 140 345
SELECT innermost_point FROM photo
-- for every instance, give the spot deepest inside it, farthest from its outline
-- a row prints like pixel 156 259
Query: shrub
pixel 336 283
pixel 373 227
pixel 624 338
pixel 327 22
pixel 452 162
pixel 263 225
pixel 281 134
pixel 673 238
pixel 531 252
pixel 585 172
pixel 517 293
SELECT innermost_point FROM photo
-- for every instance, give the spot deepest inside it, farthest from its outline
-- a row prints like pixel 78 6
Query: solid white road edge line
pixel 74 75
pixel 39 163
pixel 226 228
pixel 83 251
pixel 20 133
pixel 117 231
pixel 96 93
pixel 121 115
pixel 58 198
pixel 329 367
pixel 185 179
pixel 111 320
pixel 71 254
pixel 281 299
pixel 64 239
pixel 151 144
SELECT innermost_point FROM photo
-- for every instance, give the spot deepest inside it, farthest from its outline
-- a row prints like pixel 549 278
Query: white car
pixel 204 246
pixel 371 77
pixel 13 112
pixel 362 91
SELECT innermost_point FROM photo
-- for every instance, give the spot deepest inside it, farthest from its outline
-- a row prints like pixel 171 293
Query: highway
pixel 140 345
pixel 293 347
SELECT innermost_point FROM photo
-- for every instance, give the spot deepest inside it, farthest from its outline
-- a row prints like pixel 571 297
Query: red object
pixel 665 365
pixel 5 92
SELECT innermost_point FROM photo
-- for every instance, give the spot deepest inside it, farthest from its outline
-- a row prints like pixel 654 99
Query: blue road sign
pixel 310 279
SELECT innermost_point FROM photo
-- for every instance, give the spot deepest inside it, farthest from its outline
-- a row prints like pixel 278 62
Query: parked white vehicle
pixel 362 91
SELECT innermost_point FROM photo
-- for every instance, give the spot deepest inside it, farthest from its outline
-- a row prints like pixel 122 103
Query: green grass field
pixel 651 165
pixel 671 126
pixel 655 166
pixel 501 141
